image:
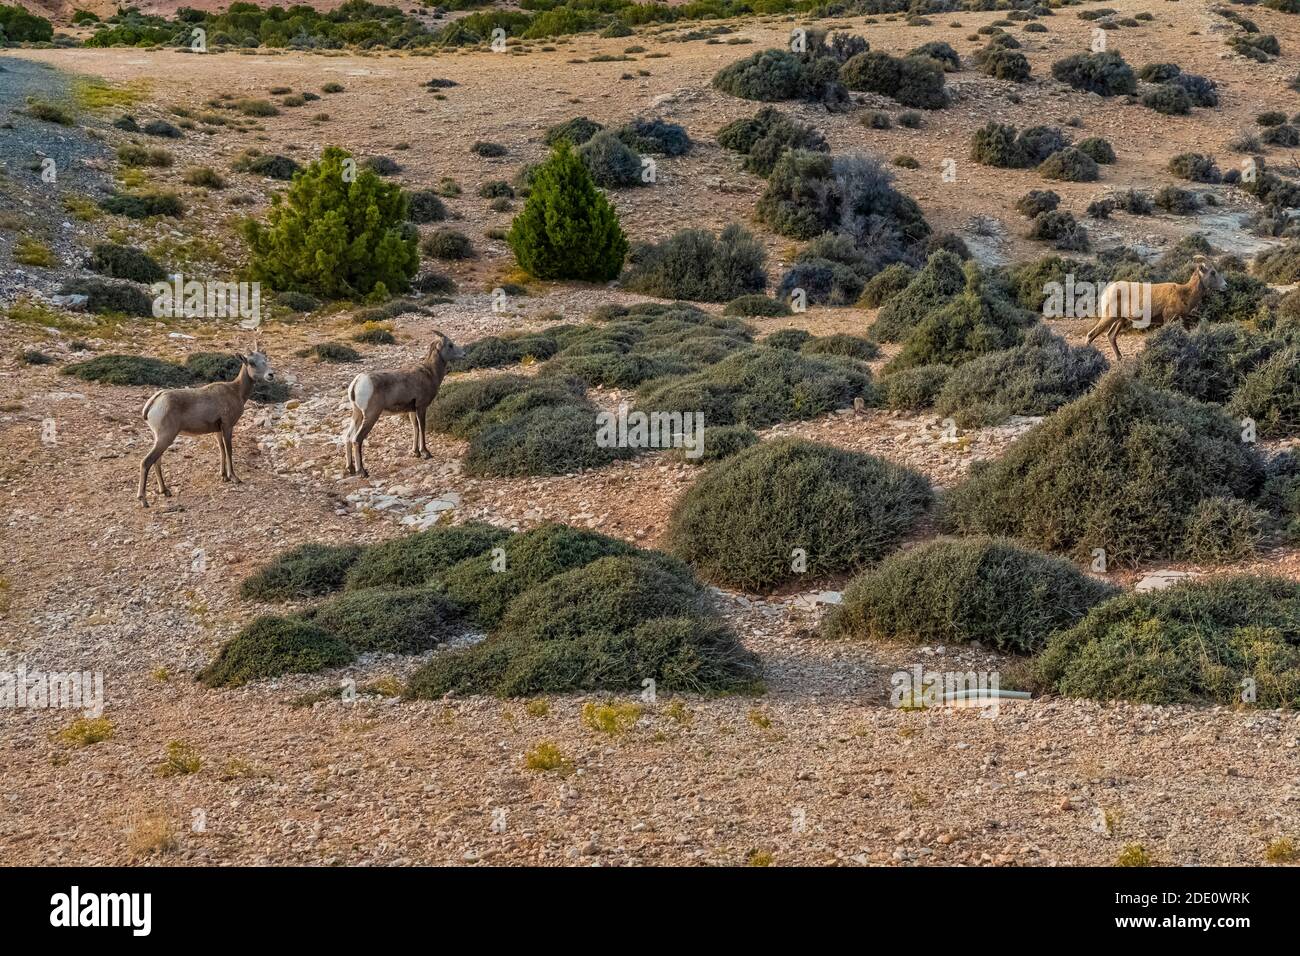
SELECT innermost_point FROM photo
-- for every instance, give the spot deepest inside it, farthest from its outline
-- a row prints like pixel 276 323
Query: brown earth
pixel 818 770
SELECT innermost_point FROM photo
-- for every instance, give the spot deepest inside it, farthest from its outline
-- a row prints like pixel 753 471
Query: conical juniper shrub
pixel 567 228
pixel 957 592
pixel 740 524
pixel 1121 469
pixel 412 560
pixel 608 625
pixel 330 237
pixel 1196 642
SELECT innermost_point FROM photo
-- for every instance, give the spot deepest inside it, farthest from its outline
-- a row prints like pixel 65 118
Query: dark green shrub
pixel 265 164
pixel 1176 200
pixel 129 154
pixel 1197 167
pixel 756 306
pixel 912 389
pixel 414 560
pixel 1105 74
pixel 656 136
pixel 1280 266
pixel 1035 378
pixel 722 443
pixel 606 626
pixel 334 238
pixel 1270 395
pixel 694 265
pixel 1070 165
pixel 129 370
pixel 841 343
pixel 1158 72
pixel 308 570
pixel 915 81
pixel 938 50
pixel 1168 98
pixel 1208 364
pixel 1195 642
pixel 1006 65
pixel 110 298
pixel 330 352
pixel 1122 469
pixel 160 128
pixel 204 177
pixel 1099 149
pixel 981 590
pixel 885 284
pixel 938 282
pixel 766 136
pixel 125 262
pixel 405 621
pixel 271 646
pixel 1061 229
pixel 575 132
pixel 792 339
pixel 1037 201
pixel 495 351
pixel 610 161
pixel 740 524
pixel 486 584
pixel 1224 529
pixel 567 229
pixel 425 206
pixel 144 205
pixel 1200 90
pixel 1260 47
pixel 773 75
pixel 762 386
pixel 487 150
pixel 979 320
pixel 496 189
pixel 447 244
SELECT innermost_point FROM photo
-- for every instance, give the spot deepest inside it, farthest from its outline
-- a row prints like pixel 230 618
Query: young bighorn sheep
pixel 408 391
pixel 1124 303
pixel 200 411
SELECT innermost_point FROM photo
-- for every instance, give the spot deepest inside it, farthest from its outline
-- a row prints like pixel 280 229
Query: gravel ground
pixel 818 770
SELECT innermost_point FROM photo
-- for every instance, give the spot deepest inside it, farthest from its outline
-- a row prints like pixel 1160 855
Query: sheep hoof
pixel 143 503
pixel 426 454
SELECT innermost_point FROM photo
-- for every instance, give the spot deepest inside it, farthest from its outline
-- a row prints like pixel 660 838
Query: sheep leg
pixel 424 442
pixel 1114 341
pixel 1097 329
pixel 415 433
pixel 161 442
pixel 227 442
pixel 162 482
pixel 362 433
pixel 350 437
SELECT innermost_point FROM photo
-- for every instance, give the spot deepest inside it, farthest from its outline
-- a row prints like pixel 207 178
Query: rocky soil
pixel 818 770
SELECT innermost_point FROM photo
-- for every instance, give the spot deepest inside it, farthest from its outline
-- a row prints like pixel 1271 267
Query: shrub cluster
pixel 766 136
pixel 1105 74
pixel 1122 469
pixel 916 81
pixel 695 265
pixel 999 144
pixel 980 590
pixel 739 523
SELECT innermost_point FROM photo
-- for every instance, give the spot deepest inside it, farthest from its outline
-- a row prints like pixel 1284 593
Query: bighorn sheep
pixel 200 411
pixel 1124 303
pixel 408 391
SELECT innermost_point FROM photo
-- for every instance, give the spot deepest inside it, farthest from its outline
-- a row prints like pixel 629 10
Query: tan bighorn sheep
pixel 200 411
pixel 408 391
pixel 1125 303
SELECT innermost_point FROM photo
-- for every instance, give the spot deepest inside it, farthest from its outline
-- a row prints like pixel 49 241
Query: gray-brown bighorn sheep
pixel 1127 303
pixel 200 411
pixel 408 391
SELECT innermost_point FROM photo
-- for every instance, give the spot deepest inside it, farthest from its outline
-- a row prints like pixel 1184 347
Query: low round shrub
pixel 1099 149
pixel 1168 98
pixel 787 507
pixel 1121 469
pixel 912 389
pixel 1037 201
pixel 841 343
pixel 414 560
pixel 308 570
pixel 722 442
pixel 885 284
pixel 271 646
pixel 1269 395
pixel 1006 65
pixel 447 244
pixel 1196 167
pixel 125 262
pixel 656 136
pixel 1105 74
pixel 575 132
pixel 938 282
pixel 1176 200
pixel 611 162
pixel 426 206
pixel 1070 165
pixel 979 590
pixel 1224 529
pixel 115 369
pixel 1035 378
pixel 792 339
pixel 375 620
pixel 1195 642
pixel 694 265
pixel 608 625
pixel 756 306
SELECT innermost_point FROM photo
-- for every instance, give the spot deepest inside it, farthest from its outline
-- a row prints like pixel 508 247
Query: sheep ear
pixel 243 359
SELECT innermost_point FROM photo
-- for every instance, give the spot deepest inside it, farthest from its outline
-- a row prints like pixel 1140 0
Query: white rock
pixel 1159 580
